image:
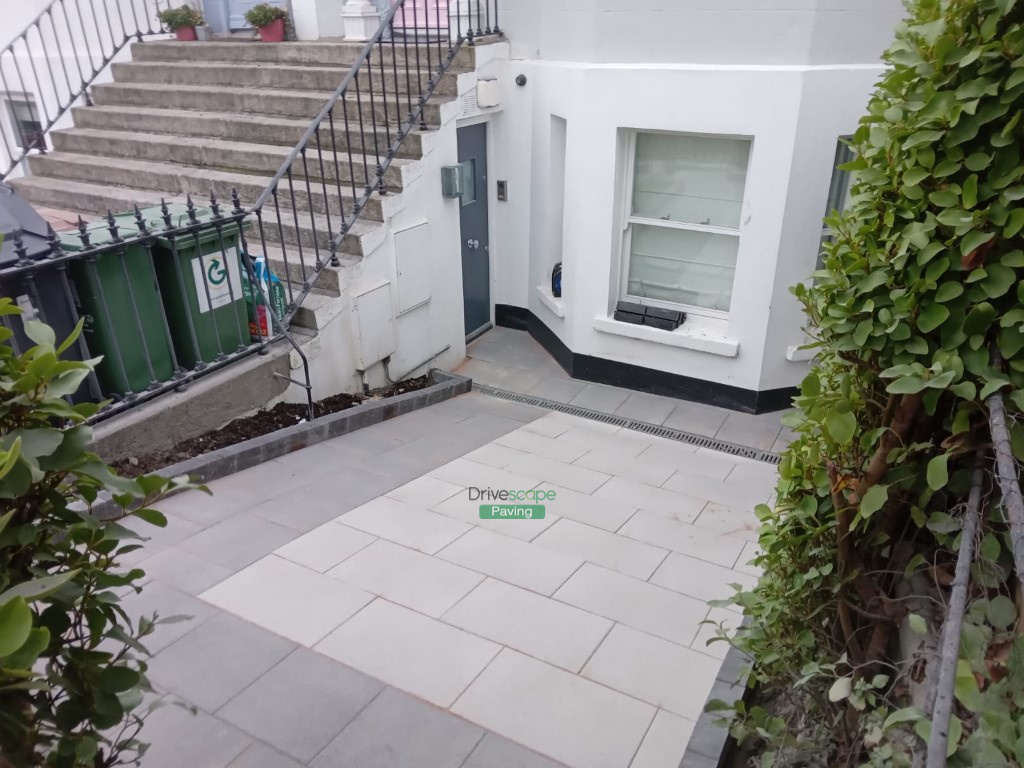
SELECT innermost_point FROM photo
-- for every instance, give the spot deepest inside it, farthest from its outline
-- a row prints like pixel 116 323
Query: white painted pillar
pixel 361 19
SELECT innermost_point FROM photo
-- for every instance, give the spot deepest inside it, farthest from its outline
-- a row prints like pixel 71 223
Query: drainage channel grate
pixel 639 426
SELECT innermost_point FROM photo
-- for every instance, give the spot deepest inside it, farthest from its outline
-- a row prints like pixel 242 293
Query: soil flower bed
pixel 263 422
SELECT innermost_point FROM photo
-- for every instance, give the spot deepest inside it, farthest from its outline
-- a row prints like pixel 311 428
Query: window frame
pixel 629 219
pixel 10 101
pixel 844 154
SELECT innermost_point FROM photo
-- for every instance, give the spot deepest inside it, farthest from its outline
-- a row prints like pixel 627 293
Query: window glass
pixel 28 129
pixel 691 179
pixel 682 266
pixel 468 181
pixel 681 185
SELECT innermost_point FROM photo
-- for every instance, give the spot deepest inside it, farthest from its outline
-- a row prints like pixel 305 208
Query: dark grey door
pixel 476 269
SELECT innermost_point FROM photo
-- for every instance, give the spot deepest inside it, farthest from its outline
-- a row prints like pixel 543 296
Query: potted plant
pixel 182 21
pixel 269 20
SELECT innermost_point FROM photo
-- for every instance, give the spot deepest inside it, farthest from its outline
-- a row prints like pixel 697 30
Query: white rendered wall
pixel 793 113
pixel 430 328
pixel 700 31
pixel 51 60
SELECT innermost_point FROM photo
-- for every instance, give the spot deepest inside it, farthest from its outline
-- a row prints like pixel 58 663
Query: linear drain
pixel 639 426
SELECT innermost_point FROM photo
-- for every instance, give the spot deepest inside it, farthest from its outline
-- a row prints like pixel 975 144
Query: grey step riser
pixel 99 204
pixel 172 183
pixel 242 130
pixel 258 102
pixel 290 79
pixel 327 283
pixel 250 160
pixel 309 55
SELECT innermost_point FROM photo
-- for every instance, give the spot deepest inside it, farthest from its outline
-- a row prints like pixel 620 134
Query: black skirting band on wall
pixel 603 371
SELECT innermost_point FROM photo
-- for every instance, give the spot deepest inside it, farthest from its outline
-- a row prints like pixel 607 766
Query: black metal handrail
pixel 46 69
pixel 382 122
pixel 181 335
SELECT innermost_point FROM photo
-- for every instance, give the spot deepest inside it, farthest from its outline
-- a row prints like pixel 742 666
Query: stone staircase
pixel 194 118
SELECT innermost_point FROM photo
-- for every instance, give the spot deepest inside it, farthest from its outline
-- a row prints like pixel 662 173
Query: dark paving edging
pixel 710 745
pixel 234 458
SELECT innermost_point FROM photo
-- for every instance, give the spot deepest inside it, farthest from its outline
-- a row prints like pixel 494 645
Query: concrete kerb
pixel 234 458
pixel 711 745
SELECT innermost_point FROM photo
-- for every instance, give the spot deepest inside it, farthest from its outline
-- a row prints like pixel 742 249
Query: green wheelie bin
pixel 117 295
pixel 200 275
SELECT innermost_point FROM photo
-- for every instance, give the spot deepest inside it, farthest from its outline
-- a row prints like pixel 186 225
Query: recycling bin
pixel 43 293
pixel 117 294
pixel 200 276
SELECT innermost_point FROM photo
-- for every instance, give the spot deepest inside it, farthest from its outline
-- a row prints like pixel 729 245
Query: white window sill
pixel 795 354
pixel 548 299
pixel 686 336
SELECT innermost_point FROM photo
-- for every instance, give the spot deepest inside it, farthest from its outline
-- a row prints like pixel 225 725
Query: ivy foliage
pixel 72 664
pixel 918 317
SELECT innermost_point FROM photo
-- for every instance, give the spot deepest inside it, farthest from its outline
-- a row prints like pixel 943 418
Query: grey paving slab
pixel 201 508
pixel 238 541
pixel 328 495
pixel 697 419
pixel 397 731
pixel 753 431
pixel 166 602
pixel 259 755
pixel 301 704
pixel 652 409
pixel 217 660
pixel 497 752
pixel 155 539
pixel 179 738
pixel 558 389
pixel 184 571
pixel 598 397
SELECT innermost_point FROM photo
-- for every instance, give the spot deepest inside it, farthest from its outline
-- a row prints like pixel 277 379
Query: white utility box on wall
pixel 373 325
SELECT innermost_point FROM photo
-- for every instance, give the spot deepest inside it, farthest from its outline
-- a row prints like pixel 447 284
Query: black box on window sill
pixel 655 317
pixel 629 317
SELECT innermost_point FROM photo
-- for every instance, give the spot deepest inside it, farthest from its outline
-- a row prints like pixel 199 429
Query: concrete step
pixel 264 101
pixel 287 77
pixel 172 179
pixel 236 127
pixel 285 265
pixel 328 53
pixel 262 159
pixel 302 237
pixel 316 311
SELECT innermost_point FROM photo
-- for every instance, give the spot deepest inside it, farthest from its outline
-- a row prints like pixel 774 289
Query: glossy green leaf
pixel 931 317
pixel 938 472
pixel 841 426
pixel 874 500
pixel 979 319
pixel 15 625
pixel 974 239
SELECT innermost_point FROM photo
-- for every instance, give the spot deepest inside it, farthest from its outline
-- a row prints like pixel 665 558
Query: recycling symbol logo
pixel 216 273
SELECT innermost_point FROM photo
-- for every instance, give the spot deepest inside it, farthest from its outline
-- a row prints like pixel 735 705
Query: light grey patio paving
pixel 514 361
pixel 373 619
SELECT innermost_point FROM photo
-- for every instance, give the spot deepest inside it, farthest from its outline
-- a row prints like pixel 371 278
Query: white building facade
pixel 675 154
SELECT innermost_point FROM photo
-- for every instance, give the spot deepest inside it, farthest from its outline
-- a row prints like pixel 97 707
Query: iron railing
pixel 339 163
pixel 49 67
pixel 379 102
pixel 151 290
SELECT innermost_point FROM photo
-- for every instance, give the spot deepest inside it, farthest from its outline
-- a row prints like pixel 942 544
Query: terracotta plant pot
pixel 187 34
pixel 273 32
